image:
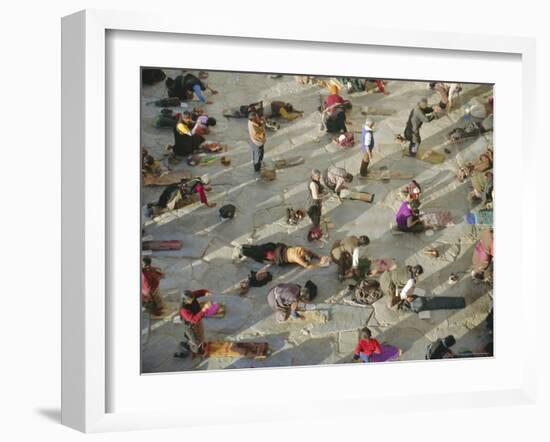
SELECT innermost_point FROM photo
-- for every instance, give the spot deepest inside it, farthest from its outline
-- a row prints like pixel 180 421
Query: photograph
pixel 303 220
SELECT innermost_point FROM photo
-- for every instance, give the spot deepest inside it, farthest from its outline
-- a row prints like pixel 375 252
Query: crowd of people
pixel 397 285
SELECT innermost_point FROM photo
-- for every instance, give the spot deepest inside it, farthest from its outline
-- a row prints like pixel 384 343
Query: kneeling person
pixel 284 299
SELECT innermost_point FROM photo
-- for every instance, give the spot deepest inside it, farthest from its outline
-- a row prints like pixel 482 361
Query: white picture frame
pixel 86 315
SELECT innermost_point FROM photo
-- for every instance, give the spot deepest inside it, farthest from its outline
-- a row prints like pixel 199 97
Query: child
pixel 367 346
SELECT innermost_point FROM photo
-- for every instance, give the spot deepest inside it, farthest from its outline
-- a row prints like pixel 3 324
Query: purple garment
pixel 403 214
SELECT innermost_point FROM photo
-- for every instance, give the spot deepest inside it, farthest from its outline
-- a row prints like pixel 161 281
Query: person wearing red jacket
pixel 367 346
pixel 191 314
pixel 150 282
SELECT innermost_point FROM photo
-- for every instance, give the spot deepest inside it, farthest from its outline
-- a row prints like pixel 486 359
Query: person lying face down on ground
pixel 280 254
pixel 191 314
pixel 186 86
pixel 408 218
pixel 285 298
pixel 150 282
pixel 336 178
pixel 420 114
pixel 482 257
pixel 272 109
pixel 366 347
pixel 178 195
pixel 399 284
pixel 346 254
pixel 333 111
pixel 482 164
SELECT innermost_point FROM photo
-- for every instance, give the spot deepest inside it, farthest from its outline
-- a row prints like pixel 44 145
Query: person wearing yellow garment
pixel 185 142
pixel 273 109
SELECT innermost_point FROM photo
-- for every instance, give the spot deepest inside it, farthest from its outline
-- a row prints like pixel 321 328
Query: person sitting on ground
pixel 191 314
pixel 441 348
pixel 149 166
pixel 334 111
pixel 346 254
pixel 367 346
pixel 316 190
pixel 483 256
pixel 408 218
pixel 175 196
pixel 399 284
pixel 185 86
pixel 150 282
pixel 420 114
pixel 285 298
pixel 367 146
pixel 336 178
pixel 185 141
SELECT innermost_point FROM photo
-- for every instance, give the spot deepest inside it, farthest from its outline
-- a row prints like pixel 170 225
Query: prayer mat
pixel 161 245
pixel 437 218
pixel 386 175
pixel 166 179
pixel 282 163
pixel 357 196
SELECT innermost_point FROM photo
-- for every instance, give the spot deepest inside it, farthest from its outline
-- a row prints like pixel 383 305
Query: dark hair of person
pixel 211 121
pixel 288 107
pixel 252 115
pixel 348 177
pixel 415 204
pixel 364 240
pixel 418 269
pixel 186 114
pixel 366 333
pixel 147 260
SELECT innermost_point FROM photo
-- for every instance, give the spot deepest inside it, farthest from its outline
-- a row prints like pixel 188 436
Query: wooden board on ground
pixel 371 110
pixel 437 218
pixel 357 196
pixel 161 245
pixel 224 349
pixel 389 353
pixel 386 175
pixel 166 179
pixel 482 218
pixel 282 163
pixel 312 317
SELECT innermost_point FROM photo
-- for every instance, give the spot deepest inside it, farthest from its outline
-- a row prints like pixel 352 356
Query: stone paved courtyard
pixel 205 261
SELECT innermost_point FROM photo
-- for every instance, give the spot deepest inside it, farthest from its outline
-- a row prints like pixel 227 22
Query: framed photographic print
pixel 252 214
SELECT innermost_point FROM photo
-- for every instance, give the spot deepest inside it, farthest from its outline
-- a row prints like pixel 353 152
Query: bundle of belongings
pixel 166 118
pixel 259 279
pixel 345 140
pixel 293 217
pixel 366 292
pixel 227 211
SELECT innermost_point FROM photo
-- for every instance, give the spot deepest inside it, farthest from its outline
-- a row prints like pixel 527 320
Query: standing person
pixel 407 217
pixel 316 190
pixel 336 178
pixel 257 138
pixel 346 254
pixel 399 284
pixel 150 282
pixel 422 113
pixel 367 146
pixel 191 313
pixel 284 299
pixel 367 346
pixel 483 256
